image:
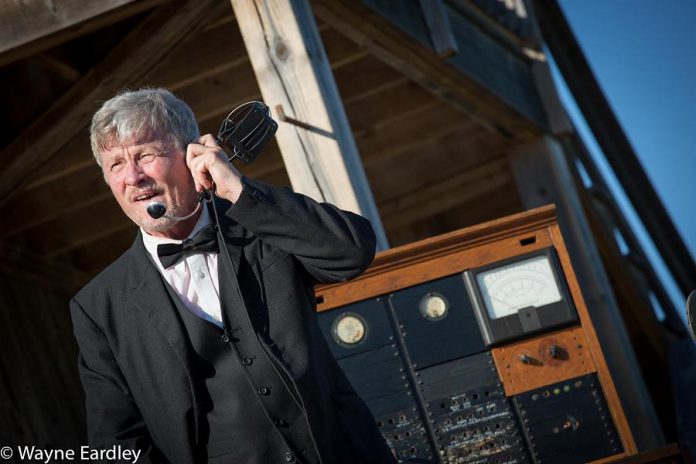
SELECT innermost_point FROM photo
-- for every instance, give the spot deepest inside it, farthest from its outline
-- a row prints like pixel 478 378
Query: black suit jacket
pixel 134 353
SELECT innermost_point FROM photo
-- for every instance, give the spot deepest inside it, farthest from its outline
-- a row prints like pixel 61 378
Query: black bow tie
pixel 205 241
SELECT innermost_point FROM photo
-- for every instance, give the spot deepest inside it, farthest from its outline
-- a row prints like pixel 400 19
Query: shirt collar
pixel 151 242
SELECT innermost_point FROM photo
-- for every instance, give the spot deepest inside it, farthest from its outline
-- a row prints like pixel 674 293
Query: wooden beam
pixel 542 176
pixel 293 72
pixel 31 26
pixel 615 145
pixel 412 129
pixel 439 27
pixel 204 54
pixel 455 152
pixel 58 67
pixel 384 40
pixel 445 193
pixel 127 64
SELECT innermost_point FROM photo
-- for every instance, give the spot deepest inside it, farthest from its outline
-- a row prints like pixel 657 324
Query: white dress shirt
pixel 194 278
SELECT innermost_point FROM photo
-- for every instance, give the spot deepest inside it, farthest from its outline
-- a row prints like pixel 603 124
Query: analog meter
pixel 519 296
pixel 433 306
pixel 349 329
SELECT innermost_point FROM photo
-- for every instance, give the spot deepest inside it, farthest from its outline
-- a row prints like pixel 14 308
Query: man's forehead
pixel 136 147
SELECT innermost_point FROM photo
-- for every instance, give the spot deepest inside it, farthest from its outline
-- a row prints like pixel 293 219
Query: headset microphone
pixel 157 210
pixel 244 132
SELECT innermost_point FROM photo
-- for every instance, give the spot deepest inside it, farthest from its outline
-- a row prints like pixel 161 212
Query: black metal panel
pixel 375 374
pixel 378 328
pixel 378 377
pixel 436 341
pixel 568 422
pixel 472 419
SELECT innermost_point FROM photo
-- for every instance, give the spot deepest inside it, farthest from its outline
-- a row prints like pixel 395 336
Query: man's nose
pixel 134 174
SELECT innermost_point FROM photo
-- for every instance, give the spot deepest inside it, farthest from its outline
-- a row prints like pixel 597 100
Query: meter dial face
pixel 349 329
pixel 509 288
pixel 433 306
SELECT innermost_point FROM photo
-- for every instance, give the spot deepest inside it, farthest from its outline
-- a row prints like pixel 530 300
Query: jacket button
pixel 248 361
pixel 280 423
pixel 289 457
pixel 265 391
pixel 224 338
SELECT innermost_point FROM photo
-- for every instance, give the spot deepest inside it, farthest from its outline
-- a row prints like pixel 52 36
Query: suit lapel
pixel 151 296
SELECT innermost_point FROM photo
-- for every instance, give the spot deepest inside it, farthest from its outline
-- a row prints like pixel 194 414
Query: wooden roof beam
pixel 421 64
pixel 32 26
pixel 446 193
pixel 126 64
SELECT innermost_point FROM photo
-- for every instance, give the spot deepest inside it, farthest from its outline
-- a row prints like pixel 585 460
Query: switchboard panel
pixel 477 347
pixel 568 422
pixel 472 419
pixel 437 321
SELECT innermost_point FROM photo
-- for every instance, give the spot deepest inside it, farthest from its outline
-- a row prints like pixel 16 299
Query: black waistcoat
pixel 251 409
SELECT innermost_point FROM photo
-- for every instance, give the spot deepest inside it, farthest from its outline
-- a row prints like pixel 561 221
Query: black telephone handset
pixel 244 133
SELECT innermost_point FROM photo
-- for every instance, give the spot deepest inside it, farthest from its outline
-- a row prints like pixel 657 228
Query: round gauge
pixel 433 306
pixel 526 283
pixel 349 329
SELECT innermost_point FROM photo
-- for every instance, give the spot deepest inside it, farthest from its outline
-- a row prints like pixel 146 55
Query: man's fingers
pixel 208 140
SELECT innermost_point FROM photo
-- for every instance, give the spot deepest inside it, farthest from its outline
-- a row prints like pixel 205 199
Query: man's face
pixel 141 173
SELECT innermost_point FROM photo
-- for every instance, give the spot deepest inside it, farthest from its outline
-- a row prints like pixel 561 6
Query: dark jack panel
pixel 378 377
pixel 568 422
pixel 434 341
pixel 403 428
pixel 472 419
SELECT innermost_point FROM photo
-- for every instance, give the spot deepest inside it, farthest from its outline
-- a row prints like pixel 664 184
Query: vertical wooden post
pixel 294 76
pixel 543 176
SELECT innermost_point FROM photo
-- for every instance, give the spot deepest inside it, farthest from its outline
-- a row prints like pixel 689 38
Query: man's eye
pixel 116 165
pixel 147 157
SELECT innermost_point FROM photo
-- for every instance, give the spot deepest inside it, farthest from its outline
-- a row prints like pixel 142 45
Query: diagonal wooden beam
pixel 421 64
pixel 156 36
pixel 31 26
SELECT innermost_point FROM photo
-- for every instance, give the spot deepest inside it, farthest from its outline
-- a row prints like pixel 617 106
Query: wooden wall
pixel 42 402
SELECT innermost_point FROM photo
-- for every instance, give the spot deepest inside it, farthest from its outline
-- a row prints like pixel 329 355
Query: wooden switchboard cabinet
pixel 477 346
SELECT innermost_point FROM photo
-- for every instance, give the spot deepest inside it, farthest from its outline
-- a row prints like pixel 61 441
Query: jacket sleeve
pixel 113 417
pixel 333 245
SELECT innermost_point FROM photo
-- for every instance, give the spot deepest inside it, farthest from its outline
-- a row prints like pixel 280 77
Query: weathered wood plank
pixel 126 64
pixel 43 403
pixel 30 26
pixel 418 167
pixel 293 71
pixel 445 193
pixel 418 62
pixel 439 27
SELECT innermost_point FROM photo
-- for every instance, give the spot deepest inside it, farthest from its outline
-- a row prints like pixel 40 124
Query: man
pixel 199 357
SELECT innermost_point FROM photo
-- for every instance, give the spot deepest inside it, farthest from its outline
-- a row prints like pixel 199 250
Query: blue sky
pixel 643 52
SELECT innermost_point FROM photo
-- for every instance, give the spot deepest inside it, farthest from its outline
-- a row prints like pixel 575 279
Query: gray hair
pixel 140 116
